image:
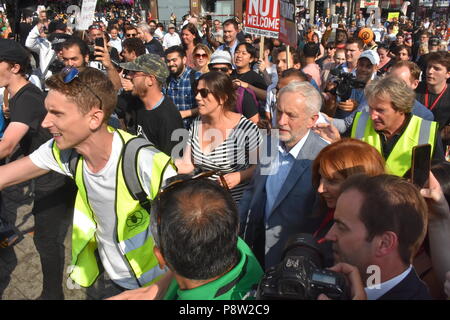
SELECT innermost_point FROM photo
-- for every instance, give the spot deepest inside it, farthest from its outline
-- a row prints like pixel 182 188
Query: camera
pixel 300 275
pixel 346 81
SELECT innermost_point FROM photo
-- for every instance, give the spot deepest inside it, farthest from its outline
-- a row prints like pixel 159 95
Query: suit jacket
pixel 410 288
pixel 292 210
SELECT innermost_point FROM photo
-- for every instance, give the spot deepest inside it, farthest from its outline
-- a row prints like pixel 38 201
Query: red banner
pixel 263 18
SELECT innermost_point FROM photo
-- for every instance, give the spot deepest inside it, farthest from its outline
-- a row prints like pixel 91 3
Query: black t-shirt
pixel 251 77
pixel 127 108
pixel 158 124
pixel 27 107
pixel 441 110
pixel 155 47
pixel 249 107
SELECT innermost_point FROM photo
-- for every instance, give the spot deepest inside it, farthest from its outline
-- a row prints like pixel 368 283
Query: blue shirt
pixel 279 171
pixel 182 94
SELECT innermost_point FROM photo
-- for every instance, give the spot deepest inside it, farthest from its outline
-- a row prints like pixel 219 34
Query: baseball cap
pixel 11 50
pixel 171 25
pixel 434 41
pixel 220 57
pixel 148 63
pixel 372 55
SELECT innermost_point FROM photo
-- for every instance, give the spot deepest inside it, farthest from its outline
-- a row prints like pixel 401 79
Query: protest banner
pixel 87 15
pixel 263 18
pixel 288 27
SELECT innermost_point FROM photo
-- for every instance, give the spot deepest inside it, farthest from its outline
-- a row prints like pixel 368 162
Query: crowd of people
pixel 184 157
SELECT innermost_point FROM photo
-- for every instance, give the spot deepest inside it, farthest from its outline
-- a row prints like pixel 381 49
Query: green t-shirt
pixel 234 285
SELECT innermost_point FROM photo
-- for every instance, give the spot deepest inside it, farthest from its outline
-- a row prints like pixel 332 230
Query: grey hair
pixel 402 97
pixel 313 99
pixel 145 27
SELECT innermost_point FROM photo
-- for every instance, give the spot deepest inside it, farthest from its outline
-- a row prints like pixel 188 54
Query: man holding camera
pixel 369 234
pixel 45 39
pixel 366 70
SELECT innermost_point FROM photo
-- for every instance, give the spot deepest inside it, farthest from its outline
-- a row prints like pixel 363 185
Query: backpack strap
pixel 192 80
pixel 130 172
pixel 240 98
pixel 73 162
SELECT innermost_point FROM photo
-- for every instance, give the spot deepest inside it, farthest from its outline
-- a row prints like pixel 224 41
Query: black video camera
pixel 346 81
pixel 300 275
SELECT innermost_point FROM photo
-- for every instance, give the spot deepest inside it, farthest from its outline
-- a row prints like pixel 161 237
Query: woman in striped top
pixel 221 139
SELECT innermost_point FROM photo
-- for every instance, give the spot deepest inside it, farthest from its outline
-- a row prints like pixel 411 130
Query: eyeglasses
pixel 155 223
pixel 70 73
pixel 199 55
pixel 203 92
pixel 129 35
pixel 224 69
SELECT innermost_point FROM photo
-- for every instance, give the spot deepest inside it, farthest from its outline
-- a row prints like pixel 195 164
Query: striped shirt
pixel 232 155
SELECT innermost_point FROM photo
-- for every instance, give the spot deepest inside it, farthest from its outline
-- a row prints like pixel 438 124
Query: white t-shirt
pixel 100 187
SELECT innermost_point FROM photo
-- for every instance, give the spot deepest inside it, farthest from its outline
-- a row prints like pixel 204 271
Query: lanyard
pixel 435 101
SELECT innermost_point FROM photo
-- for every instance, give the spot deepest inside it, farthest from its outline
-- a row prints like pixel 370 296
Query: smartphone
pixel 99 42
pixel 421 164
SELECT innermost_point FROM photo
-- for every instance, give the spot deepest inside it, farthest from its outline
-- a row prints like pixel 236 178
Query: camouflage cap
pixel 150 64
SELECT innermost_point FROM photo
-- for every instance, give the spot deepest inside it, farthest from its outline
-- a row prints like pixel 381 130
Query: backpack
pixel 240 91
pixel 130 172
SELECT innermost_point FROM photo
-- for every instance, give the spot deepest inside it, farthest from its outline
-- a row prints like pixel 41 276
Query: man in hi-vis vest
pixel 391 128
pixel 111 220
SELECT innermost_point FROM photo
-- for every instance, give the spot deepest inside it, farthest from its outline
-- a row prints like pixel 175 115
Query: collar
pixel 296 149
pixel 377 291
pixel 212 290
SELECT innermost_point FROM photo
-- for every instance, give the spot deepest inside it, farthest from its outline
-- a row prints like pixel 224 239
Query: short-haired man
pixel 171 38
pixel 159 117
pixel 353 49
pixel 311 51
pixel 76 53
pixel 181 84
pixel 114 40
pixel 409 72
pixel 243 75
pixel 190 218
pixel 52 197
pixel 108 219
pixel 131 49
pixel 391 128
pixel 369 231
pixel 230 31
pixel 280 198
pixel 434 92
pixel 282 62
pixel 145 33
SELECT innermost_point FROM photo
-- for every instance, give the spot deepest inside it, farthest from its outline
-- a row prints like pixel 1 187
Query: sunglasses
pixel 155 223
pixel 199 55
pixel 71 73
pixel 204 92
pixel 94 26
pixel 129 35
pixel 224 69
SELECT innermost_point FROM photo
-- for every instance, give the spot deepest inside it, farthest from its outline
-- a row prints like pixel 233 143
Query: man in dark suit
pixel 279 200
pixel 379 225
